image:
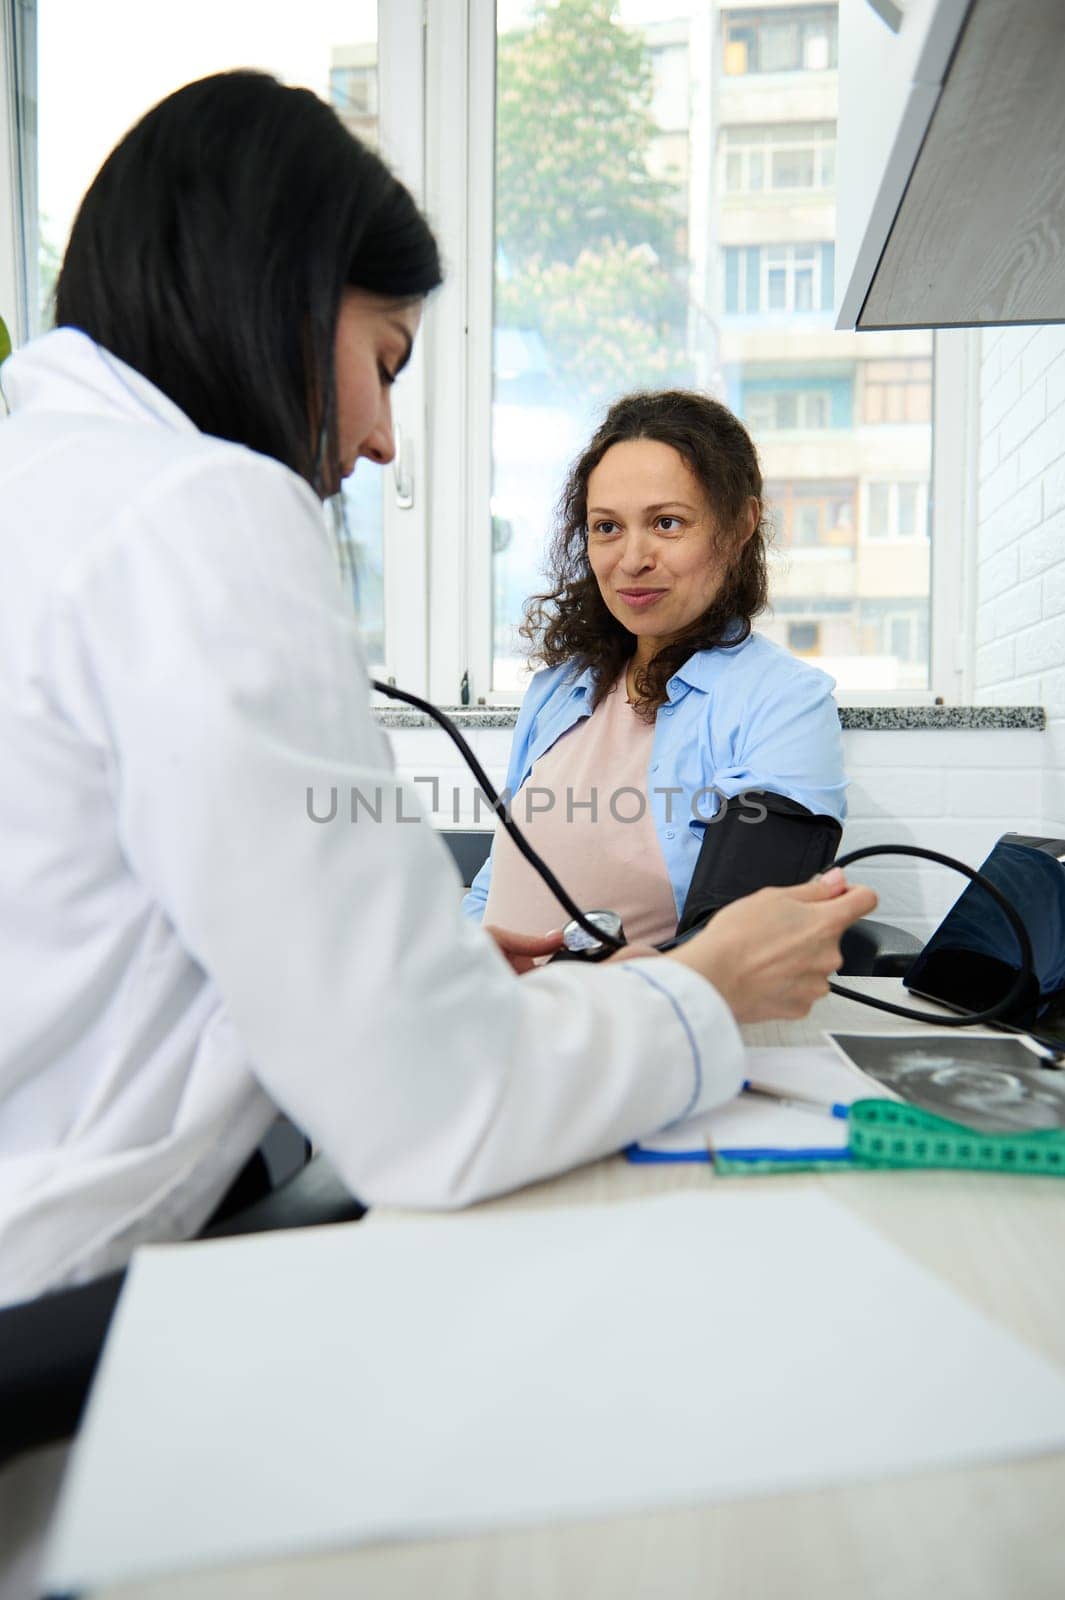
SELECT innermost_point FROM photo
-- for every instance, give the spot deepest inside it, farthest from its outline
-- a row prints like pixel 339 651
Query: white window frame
pixel 460 193
pixel 461 575
pixel 791 259
pixel 18 169
pixel 401 67
pixel 401 129
pixel 778 258
pixel 954 513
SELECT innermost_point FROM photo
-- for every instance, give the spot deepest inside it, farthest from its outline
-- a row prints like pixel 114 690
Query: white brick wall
pixel 951 791
pixel 1020 620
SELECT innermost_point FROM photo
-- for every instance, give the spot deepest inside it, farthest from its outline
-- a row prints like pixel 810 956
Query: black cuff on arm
pixel 757 841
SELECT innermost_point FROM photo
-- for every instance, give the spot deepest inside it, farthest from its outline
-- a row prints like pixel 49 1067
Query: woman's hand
pixel 523 949
pixel 771 954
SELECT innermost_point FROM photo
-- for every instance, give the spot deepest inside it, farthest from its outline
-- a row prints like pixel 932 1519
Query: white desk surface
pixel 987 1533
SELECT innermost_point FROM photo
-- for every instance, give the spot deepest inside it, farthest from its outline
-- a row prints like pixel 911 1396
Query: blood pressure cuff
pixel 757 840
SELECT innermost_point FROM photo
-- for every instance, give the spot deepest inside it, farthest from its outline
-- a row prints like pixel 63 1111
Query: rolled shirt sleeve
pixel 789 741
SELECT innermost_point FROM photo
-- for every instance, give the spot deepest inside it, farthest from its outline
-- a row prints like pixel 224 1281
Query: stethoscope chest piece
pixel 578 944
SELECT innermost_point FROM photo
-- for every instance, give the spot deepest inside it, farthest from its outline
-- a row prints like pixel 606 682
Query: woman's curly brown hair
pixel 570 621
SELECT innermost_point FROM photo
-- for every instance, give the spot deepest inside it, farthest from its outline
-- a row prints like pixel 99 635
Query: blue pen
pixel 798 1102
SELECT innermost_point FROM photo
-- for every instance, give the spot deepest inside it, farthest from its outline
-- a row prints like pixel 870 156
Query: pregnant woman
pixel 660 721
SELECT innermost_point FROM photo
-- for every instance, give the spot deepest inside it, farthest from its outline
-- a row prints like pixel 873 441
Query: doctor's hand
pixel 522 950
pixel 770 955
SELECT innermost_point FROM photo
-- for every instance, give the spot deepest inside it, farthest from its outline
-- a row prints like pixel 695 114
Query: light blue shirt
pixel 746 717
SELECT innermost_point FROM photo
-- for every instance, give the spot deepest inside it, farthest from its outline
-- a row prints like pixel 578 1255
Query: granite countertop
pixel 880 719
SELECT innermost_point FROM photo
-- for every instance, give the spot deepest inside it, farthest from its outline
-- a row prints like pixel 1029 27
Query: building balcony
pixel 810 337
pixel 801 216
pixel 778 97
pixel 816 572
pixel 890 567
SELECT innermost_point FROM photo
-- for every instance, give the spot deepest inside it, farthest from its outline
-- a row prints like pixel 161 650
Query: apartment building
pixel 745 105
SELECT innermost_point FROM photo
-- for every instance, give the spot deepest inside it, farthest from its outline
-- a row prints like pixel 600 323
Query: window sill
pixel 879 719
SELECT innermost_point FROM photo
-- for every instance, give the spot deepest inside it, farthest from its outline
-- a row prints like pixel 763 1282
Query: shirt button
pixel 667 711
pixel 669 833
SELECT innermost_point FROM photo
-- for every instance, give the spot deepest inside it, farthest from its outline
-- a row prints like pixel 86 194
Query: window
pixel 597 241
pixel 812 514
pixel 332 47
pixel 353 88
pixel 897 511
pixel 358 518
pixel 618 269
pixel 773 409
pixel 802 39
pixel 897 391
pixel 897 629
pixel 804 638
pixel 778 279
pixel 779 157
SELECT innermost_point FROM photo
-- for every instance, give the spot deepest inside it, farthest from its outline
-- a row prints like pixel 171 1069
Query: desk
pixel 989 1533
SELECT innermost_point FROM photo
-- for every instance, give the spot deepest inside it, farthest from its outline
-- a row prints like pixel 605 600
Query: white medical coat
pixel 183 948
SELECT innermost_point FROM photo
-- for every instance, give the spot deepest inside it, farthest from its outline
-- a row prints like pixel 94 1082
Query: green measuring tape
pixel 886 1134
pixel 882 1133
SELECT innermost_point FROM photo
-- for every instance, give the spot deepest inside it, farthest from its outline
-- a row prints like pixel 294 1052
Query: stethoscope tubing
pixel 972 1019
pixel 488 789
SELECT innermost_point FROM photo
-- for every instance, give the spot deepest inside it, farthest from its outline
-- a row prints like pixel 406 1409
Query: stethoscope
pixel 594 935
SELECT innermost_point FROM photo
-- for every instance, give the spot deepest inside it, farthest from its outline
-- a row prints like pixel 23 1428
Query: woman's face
pixel 653 541
pixel 373 344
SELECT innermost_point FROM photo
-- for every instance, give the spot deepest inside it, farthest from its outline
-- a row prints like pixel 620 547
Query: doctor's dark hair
pixel 212 249
pixel 570 621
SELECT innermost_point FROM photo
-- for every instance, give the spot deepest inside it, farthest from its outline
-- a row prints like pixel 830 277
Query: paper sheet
pixel 300 1391
pixel 747 1123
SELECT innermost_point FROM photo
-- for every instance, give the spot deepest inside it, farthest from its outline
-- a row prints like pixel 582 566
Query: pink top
pixel 584 807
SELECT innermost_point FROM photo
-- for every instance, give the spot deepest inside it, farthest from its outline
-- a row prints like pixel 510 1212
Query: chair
pixel 49 1347
pixel 870 948
pixel 874 949
pixel 469 849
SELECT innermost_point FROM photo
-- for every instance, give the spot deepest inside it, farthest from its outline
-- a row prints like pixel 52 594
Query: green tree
pixel 587 234
pixel 609 320
pixel 573 126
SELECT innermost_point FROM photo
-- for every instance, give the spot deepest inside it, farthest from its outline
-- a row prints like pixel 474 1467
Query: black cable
pixel 600 935
pixel 974 1018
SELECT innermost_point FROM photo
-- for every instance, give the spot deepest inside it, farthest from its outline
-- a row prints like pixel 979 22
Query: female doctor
pixel 185 946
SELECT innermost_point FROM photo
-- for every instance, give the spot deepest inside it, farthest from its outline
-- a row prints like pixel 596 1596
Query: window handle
pixel 403 469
